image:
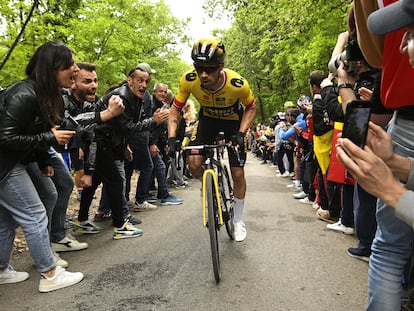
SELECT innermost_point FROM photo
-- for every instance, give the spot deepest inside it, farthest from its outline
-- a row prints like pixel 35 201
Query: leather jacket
pixel 142 138
pixel 158 135
pixel 113 133
pixel 24 135
pixel 87 118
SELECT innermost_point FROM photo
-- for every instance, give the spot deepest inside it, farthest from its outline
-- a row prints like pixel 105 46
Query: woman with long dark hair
pixel 30 111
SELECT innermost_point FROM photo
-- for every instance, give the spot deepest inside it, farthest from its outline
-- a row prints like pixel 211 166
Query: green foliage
pixel 116 35
pixel 273 44
pixel 276 44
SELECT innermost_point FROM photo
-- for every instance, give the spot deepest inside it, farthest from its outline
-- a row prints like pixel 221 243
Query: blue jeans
pixel 64 185
pixel 106 171
pixel 20 204
pixel 364 217
pixel 45 188
pixel 391 248
pixel 160 174
pixel 104 202
pixel 143 162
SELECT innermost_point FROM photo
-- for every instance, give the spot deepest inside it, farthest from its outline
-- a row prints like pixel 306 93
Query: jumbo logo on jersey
pixel 191 76
pixel 237 82
pixel 219 112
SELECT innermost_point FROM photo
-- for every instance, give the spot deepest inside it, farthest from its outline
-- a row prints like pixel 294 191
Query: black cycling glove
pixel 238 139
pixel 172 146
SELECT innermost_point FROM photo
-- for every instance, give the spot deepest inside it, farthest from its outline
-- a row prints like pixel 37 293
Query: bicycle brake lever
pixel 236 150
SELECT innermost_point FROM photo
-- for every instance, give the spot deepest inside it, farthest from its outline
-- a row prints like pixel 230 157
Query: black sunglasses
pixel 206 69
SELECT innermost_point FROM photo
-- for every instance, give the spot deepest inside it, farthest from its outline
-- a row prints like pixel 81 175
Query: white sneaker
pixel 61 279
pixel 285 174
pixel 295 187
pixel 338 226
pixel 126 231
pixel 59 261
pixel 306 201
pixel 69 243
pixel 298 189
pixel 144 206
pixel 10 276
pixel 315 205
pixel 240 231
pixel 300 195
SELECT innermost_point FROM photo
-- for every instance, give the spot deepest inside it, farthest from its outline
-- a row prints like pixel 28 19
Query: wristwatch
pixel 345 86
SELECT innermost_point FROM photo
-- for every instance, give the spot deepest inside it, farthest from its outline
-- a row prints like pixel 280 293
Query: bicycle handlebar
pixel 215 146
pixel 201 147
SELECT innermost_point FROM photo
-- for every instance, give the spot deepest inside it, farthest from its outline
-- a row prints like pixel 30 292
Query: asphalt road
pixel 289 261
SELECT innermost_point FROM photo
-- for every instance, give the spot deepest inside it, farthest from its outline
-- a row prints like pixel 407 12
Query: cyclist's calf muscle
pixel 239 180
pixel 195 165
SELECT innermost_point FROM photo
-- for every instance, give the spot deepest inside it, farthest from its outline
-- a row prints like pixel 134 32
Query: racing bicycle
pixel 217 197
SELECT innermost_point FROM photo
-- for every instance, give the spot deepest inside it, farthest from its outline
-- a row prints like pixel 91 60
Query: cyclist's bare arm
pixel 173 120
pixel 247 119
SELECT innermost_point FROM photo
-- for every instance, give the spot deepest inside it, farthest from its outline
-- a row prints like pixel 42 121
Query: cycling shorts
pixel 206 130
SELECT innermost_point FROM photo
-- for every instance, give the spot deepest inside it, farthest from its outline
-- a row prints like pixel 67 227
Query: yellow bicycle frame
pixel 204 189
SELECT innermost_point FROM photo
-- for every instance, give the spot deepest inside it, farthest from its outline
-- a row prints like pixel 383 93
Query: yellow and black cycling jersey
pixel 224 103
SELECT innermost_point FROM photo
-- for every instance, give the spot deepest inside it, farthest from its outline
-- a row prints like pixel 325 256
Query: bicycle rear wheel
pixel 213 226
pixel 228 201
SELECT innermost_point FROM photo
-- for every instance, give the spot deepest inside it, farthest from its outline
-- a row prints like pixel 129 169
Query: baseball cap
pixel 392 17
pixel 145 67
pixel 288 104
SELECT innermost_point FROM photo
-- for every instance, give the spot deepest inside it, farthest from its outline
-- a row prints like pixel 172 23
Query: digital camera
pixel 351 56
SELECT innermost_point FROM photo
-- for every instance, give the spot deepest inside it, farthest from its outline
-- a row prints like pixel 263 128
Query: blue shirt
pixel 300 122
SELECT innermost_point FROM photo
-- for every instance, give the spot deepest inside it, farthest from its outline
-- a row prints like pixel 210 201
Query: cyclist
pixel 222 93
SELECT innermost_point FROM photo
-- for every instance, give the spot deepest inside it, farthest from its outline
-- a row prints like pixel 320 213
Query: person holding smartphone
pixel 30 111
pixel 376 168
pixel 387 158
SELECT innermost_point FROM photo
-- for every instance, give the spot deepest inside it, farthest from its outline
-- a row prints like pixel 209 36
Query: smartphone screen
pixel 356 122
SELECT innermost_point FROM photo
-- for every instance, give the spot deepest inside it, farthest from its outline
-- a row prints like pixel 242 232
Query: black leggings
pixel 107 172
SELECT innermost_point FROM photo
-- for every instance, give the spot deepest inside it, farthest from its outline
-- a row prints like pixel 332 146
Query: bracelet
pixel 345 86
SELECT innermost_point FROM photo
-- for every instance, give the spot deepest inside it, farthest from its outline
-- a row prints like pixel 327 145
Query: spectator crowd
pixel 102 141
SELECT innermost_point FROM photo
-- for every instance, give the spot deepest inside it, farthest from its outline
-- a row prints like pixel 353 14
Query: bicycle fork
pixel 217 195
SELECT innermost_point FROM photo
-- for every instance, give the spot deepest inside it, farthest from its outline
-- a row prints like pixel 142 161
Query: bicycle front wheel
pixel 228 201
pixel 213 225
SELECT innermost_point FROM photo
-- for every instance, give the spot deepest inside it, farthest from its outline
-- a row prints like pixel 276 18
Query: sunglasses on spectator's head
pixel 206 69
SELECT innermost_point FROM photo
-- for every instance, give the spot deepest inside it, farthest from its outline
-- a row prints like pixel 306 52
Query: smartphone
pixel 73 122
pixel 357 116
pixel 69 123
